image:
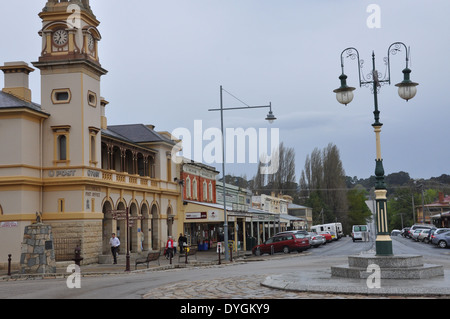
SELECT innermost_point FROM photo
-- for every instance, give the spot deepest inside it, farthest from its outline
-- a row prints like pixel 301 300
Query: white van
pixel 360 232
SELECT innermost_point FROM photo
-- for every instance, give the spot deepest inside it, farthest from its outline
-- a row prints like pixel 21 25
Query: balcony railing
pixel 111 176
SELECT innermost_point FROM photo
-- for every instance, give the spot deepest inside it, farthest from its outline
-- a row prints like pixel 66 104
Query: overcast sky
pixel 167 59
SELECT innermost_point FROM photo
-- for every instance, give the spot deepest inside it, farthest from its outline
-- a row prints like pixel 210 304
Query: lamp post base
pixel 383 246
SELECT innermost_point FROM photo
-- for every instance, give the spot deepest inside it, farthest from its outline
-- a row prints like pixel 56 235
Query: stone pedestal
pixel 38 255
pixel 391 267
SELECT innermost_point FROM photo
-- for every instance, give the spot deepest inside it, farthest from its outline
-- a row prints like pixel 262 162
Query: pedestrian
pixel 169 248
pixel 114 242
pixel 181 242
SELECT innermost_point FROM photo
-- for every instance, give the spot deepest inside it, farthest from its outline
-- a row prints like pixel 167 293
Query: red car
pixel 286 243
pixel 328 237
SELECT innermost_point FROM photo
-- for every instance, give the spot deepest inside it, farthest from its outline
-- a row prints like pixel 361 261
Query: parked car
pixel 415 234
pixel 442 239
pixel 438 231
pixel 395 232
pixel 316 240
pixel 327 235
pixel 419 226
pixel 304 232
pixel 423 236
pixel 285 242
pixel 333 235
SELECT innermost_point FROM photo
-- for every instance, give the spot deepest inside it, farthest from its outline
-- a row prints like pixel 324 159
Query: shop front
pixel 204 226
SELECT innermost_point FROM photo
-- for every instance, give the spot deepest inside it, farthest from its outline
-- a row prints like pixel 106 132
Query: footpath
pixel 201 258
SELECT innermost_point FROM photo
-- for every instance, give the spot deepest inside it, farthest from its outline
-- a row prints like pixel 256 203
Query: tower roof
pixel 61 5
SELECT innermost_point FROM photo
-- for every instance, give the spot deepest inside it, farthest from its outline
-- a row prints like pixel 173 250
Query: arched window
pixel 194 189
pixel 62 148
pixel 188 188
pixel 211 198
pixel 205 191
pixel 61 140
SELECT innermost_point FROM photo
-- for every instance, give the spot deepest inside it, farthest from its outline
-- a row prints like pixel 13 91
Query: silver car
pixel 423 236
pixel 316 240
pixel 415 234
pixel 442 239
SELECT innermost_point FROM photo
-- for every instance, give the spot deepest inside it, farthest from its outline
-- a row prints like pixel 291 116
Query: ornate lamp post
pixel 406 90
pixel 270 118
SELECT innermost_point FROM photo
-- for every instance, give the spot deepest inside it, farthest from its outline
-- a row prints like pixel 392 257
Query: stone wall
pixel 88 231
pixel 38 255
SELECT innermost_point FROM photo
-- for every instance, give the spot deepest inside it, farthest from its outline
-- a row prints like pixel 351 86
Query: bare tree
pixel 283 180
pixel 322 184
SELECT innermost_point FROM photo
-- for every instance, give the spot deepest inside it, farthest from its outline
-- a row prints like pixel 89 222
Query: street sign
pixel 123 214
pixel 117 211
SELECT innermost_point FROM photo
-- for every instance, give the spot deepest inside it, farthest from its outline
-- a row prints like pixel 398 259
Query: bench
pixel 152 256
pixel 192 252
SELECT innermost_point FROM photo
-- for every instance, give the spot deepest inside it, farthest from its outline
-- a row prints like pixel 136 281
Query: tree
pixel 283 180
pixel 400 208
pixel 358 212
pixel 322 185
pixel 334 183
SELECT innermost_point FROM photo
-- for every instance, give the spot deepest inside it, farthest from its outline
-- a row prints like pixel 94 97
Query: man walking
pixel 114 242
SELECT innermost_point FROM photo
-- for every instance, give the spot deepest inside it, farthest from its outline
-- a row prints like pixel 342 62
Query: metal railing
pixel 65 248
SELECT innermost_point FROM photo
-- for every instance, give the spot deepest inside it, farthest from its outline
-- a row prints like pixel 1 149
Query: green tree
pixel 400 208
pixel 358 212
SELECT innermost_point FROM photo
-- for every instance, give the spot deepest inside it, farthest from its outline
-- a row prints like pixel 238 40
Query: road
pixel 240 280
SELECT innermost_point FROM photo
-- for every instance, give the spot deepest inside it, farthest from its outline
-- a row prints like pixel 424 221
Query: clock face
pixel 91 42
pixel 60 37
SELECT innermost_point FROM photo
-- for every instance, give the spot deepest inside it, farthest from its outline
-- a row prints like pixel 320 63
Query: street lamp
pixel 270 117
pixel 406 90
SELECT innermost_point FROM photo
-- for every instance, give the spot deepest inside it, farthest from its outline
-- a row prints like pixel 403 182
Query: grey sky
pixel 167 59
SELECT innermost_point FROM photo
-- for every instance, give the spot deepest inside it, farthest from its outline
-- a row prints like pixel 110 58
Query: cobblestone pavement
pixel 241 287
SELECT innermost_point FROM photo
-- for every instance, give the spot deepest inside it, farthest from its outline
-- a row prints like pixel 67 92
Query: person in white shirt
pixel 114 242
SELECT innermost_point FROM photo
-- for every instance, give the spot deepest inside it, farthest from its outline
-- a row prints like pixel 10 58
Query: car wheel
pixel 258 252
pixel 286 249
pixel 442 244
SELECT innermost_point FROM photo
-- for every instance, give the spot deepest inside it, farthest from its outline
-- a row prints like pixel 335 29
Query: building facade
pixel 61 159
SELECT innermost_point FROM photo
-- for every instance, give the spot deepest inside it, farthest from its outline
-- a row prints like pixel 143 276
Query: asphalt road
pixel 240 280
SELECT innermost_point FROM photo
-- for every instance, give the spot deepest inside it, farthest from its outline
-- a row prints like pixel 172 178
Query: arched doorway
pixel 146 228
pixel 108 226
pixel 155 228
pixel 133 229
pixel 170 218
pixel 121 229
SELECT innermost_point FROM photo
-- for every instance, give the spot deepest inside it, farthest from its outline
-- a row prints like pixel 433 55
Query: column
pixel 383 243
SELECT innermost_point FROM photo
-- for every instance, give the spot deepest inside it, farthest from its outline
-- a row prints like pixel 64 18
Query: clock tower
pixel 70 84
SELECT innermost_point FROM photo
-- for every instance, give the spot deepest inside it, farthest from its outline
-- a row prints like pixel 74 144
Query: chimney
pixel 16 79
pixel 441 197
pixel 103 104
